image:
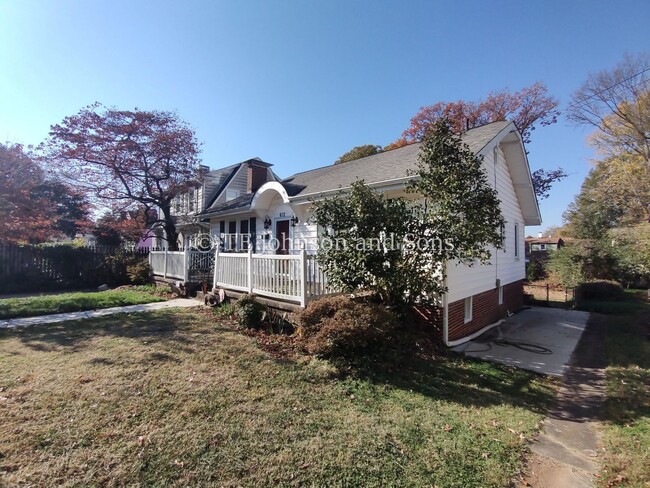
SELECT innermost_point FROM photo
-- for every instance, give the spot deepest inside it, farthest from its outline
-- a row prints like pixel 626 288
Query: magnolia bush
pixel 396 248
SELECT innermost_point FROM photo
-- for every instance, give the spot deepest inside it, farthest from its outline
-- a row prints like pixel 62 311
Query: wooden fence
pixel 52 267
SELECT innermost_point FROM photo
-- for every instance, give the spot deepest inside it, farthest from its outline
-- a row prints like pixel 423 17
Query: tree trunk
pixel 170 228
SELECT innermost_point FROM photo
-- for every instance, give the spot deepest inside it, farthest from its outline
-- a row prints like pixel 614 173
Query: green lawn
pixel 75 302
pixel 176 398
pixel 626 430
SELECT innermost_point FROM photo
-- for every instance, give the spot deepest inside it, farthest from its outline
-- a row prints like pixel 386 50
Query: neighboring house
pixel 538 247
pixel 266 216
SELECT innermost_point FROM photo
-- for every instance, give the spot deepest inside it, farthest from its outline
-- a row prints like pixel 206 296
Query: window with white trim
pixel 231 194
pixel 501 295
pixel 468 309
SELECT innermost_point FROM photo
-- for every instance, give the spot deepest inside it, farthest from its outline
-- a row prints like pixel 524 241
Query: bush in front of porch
pixel 341 327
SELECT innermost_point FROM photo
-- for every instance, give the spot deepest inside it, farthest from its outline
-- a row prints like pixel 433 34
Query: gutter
pixel 376 184
pixel 226 214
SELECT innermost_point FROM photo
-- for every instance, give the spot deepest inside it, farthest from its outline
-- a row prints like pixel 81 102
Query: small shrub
pixel 343 328
pixel 139 272
pixel 225 310
pixel 249 312
pixel 600 291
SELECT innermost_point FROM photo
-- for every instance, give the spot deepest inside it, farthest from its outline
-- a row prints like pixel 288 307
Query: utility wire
pixel 612 86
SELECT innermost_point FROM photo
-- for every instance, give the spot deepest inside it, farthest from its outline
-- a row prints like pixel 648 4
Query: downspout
pixel 495 157
pixel 445 308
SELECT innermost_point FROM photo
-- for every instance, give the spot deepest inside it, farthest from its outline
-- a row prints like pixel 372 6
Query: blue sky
pixel 299 82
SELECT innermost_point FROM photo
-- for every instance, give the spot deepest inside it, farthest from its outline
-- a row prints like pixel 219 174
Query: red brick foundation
pixel 485 311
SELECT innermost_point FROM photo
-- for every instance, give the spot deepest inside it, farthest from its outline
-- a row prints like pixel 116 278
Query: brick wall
pixel 485 311
pixel 256 177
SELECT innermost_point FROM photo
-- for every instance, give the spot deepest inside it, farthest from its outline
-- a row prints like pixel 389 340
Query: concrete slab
pixel 64 317
pixel 537 339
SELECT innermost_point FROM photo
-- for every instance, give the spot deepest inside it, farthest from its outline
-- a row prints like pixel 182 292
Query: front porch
pixel 293 279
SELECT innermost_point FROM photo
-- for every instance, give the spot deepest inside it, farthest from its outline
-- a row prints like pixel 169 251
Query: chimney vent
pixel 540 235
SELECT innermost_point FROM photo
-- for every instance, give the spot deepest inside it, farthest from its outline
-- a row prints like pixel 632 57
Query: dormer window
pixel 231 194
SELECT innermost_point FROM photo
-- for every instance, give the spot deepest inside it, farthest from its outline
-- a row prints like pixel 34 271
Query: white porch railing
pixel 293 278
pixel 277 276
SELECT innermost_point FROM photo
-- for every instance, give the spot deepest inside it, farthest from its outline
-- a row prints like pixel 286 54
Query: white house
pixel 264 222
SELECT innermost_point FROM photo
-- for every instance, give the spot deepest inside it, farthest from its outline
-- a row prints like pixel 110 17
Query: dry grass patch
pixel 175 399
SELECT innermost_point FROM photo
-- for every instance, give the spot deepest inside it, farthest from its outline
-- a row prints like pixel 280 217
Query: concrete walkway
pixel 89 314
pixel 567 344
pixel 537 339
pixel 565 455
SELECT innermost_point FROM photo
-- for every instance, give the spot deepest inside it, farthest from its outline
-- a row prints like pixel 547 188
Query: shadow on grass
pixel 430 371
pixel 150 327
pixel 628 361
pixel 438 373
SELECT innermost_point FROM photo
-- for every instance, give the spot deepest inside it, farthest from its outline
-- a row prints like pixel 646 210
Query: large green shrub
pixel 394 247
pixel 582 261
pixel 344 328
pixel 535 270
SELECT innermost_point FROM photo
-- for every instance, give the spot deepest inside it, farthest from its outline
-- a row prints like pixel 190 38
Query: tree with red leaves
pixel 32 208
pixel 115 229
pixel 127 159
pixel 527 108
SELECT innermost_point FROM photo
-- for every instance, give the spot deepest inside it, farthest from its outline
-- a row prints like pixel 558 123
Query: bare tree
pixel 616 103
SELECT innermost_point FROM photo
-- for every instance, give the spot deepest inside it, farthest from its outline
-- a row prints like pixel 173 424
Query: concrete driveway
pixel 537 339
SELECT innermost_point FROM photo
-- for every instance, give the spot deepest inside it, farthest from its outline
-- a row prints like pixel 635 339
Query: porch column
pixel 249 263
pixel 186 265
pixel 303 278
pixel 216 268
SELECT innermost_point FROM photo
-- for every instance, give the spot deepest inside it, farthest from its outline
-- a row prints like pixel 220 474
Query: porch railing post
pixel 303 278
pixel 249 263
pixel 186 265
pixel 165 265
pixel 216 268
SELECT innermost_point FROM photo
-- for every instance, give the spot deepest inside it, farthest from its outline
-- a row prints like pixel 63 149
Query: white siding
pixel 464 280
pixel 306 235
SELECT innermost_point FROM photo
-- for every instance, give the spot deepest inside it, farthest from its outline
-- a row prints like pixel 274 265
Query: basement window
pixel 468 309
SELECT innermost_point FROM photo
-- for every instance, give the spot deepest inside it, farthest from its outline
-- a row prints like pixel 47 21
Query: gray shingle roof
pixel 241 202
pixel 216 180
pixel 385 166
